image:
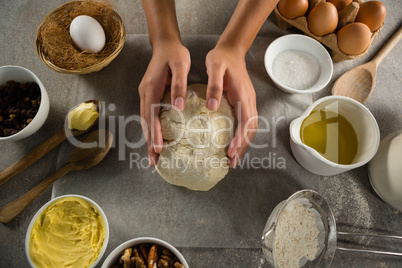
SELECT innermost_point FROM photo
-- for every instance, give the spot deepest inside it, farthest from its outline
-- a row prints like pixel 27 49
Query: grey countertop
pixel 356 206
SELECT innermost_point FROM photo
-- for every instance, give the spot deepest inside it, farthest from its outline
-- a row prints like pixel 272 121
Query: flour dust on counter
pixel 346 187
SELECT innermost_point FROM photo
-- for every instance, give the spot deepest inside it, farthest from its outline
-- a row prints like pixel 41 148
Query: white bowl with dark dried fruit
pixel 145 252
pixel 24 103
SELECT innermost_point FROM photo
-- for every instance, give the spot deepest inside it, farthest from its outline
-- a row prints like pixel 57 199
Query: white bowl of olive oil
pixel 335 134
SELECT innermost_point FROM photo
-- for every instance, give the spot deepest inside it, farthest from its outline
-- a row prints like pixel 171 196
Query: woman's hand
pixel 169 65
pixel 226 69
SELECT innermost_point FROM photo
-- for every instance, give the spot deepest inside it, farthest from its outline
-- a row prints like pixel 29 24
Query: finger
pixel 158 139
pixel 144 123
pixel 152 156
pixel 241 116
pixel 150 110
pixel 237 141
pixel 235 161
pixel 215 86
pixel 246 143
pixel 180 72
pixel 238 155
pixel 154 126
pixel 244 134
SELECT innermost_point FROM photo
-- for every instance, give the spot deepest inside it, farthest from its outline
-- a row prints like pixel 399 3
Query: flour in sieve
pixel 296 69
pixel 296 236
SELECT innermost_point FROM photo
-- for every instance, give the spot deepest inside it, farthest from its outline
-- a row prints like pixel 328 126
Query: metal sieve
pixel 326 256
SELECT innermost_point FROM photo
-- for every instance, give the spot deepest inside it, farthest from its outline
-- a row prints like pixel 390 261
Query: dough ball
pixel 195 141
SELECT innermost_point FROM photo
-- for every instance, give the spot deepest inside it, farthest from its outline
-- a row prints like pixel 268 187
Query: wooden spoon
pixel 44 148
pixel 80 158
pixel 359 82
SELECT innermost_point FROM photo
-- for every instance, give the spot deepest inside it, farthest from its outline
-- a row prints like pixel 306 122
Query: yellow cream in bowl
pixel 83 116
pixel 70 232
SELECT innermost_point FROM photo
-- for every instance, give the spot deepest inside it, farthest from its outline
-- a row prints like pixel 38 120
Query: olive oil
pixel 331 135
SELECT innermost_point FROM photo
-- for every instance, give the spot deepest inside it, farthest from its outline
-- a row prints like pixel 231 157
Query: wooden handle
pixel 12 209
pixel 388 46
pixel 32 157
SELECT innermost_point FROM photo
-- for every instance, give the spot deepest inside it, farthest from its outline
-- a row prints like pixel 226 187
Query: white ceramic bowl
pixel 106 240
pixel 23 75
pixel 385 170
pixel 305 44
pixel 117 252
pixel 363 122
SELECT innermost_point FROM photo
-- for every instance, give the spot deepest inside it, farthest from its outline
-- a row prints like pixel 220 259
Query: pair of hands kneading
pixel 226 70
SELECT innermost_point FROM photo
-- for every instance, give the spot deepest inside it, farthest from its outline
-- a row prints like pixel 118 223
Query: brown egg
pixel 291 9
pixel 323 19
pixel 371 13
pixel 354 38
pixel 340 4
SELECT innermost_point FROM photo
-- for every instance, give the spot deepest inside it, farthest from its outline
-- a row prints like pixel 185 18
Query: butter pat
pixel 68 233
pixel 82 117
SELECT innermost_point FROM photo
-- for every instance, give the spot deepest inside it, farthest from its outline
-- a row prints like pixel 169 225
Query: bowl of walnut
pixel 144 252
pixel 24 103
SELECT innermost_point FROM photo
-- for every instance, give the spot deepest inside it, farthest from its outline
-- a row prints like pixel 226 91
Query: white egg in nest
pixel 87 34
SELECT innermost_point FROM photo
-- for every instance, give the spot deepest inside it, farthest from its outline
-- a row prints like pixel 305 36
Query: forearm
pixel 245 23
pixel 161 20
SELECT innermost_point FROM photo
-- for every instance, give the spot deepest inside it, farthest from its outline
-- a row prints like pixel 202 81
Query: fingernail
pixel 232 152
pixel 179 103
pixel 212 104
pixel 157 148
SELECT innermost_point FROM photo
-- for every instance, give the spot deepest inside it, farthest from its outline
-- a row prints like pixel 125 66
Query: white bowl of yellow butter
pixel 68 231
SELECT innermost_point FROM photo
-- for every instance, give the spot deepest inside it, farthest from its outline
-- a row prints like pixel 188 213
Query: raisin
pixel 19 103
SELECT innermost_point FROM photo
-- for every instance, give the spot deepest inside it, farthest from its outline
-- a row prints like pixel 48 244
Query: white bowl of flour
pixel 298 64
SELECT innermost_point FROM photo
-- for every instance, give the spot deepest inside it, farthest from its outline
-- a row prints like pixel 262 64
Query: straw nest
pixel 56 49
